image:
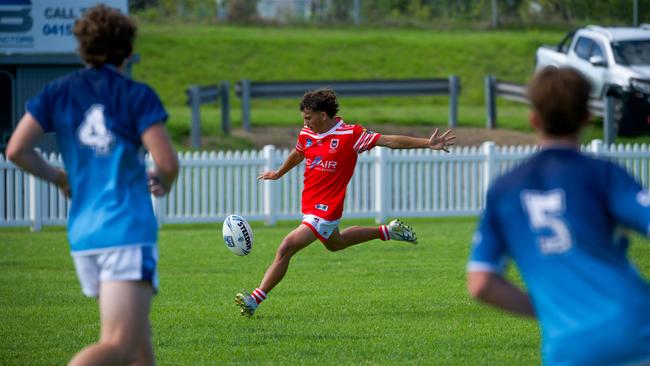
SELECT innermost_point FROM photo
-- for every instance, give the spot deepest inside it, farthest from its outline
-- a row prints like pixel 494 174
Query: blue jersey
pixel 99 116
pixel 559 217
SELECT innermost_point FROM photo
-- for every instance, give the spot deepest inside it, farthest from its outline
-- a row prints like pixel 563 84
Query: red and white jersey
pixel 330 159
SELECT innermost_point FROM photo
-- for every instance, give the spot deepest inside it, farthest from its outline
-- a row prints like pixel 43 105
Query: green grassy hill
pixel 178 55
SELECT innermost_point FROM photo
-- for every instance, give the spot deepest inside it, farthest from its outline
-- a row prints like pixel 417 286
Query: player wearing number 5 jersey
pixel 102 121
pixel 558 216
pixel 329 148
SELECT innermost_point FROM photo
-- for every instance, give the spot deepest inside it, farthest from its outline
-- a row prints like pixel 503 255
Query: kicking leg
pixel 351 236
pixel 395 230
pixel 296 240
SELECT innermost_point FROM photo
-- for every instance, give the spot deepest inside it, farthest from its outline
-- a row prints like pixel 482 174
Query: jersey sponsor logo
pixel 323 165
pixel 322 207
pixel 313 163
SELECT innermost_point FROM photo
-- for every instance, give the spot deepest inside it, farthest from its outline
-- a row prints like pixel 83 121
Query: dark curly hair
pixel 321 100
pixel 105 35
pixel 560 96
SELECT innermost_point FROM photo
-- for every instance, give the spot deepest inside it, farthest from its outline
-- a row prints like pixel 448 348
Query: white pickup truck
pixel 616 60
pixel 613 58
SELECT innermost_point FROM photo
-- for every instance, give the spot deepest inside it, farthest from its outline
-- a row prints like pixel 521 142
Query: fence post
pixel 246 104
pixel 356 12
pixel 222 13
pixel 490 167
pixel 382 185
pixel 269 194
pixel 195 132
pixel 495 14
pixel 490 102
pixel 454 91
pixel 608 120
pixel 35 204
pixel 597 148
pixel 224 94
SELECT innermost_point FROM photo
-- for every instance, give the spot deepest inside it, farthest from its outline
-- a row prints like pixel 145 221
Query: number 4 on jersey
pixel 545 210
pixel 93 132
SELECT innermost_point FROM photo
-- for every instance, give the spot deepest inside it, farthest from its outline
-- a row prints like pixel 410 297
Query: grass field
pixel 373 304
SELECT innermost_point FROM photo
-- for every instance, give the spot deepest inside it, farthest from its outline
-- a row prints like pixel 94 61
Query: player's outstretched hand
pixel 442 142
pixel 271 175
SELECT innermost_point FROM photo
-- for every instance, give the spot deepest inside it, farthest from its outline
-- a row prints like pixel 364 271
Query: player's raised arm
pixel 435 142
pixel 292 160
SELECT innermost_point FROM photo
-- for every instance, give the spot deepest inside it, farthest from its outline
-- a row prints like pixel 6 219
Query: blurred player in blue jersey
pixel 102 121
pixel 558 216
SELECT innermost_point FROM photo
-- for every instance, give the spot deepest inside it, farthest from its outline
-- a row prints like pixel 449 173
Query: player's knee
pixel 334 246
pixel 287 249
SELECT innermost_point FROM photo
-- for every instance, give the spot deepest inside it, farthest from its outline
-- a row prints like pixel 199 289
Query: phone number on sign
pixel 57 29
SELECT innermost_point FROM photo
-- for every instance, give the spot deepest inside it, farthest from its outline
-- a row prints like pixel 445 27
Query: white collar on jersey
pixel 332 131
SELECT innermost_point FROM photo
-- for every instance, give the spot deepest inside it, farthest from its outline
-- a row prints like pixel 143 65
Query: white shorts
pixel 137 263
pixel 320 227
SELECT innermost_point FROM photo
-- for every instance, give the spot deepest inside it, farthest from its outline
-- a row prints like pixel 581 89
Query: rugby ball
pixel 237 235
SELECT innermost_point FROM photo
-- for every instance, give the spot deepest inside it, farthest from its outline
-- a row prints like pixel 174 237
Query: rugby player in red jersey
pixel 330 148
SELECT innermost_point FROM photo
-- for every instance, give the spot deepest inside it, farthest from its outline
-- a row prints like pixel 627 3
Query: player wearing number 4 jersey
pixel 558 216
pixel 102 121
pixel 329 148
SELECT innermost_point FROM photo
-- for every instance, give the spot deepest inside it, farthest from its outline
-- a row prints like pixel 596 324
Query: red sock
pixel 259 295
pixel 383 233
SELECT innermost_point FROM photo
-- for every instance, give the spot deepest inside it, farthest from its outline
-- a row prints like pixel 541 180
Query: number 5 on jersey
pixel 93 132
pixel 545 211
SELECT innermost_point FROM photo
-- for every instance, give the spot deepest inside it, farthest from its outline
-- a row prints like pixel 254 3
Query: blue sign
pixel 44 26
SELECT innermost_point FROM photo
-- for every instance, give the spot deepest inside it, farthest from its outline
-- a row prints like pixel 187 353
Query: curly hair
pixel 321 100
pixel 560 96
pixel 105 35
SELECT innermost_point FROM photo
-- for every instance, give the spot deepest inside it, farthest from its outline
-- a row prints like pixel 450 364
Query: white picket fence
pixel 386 183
